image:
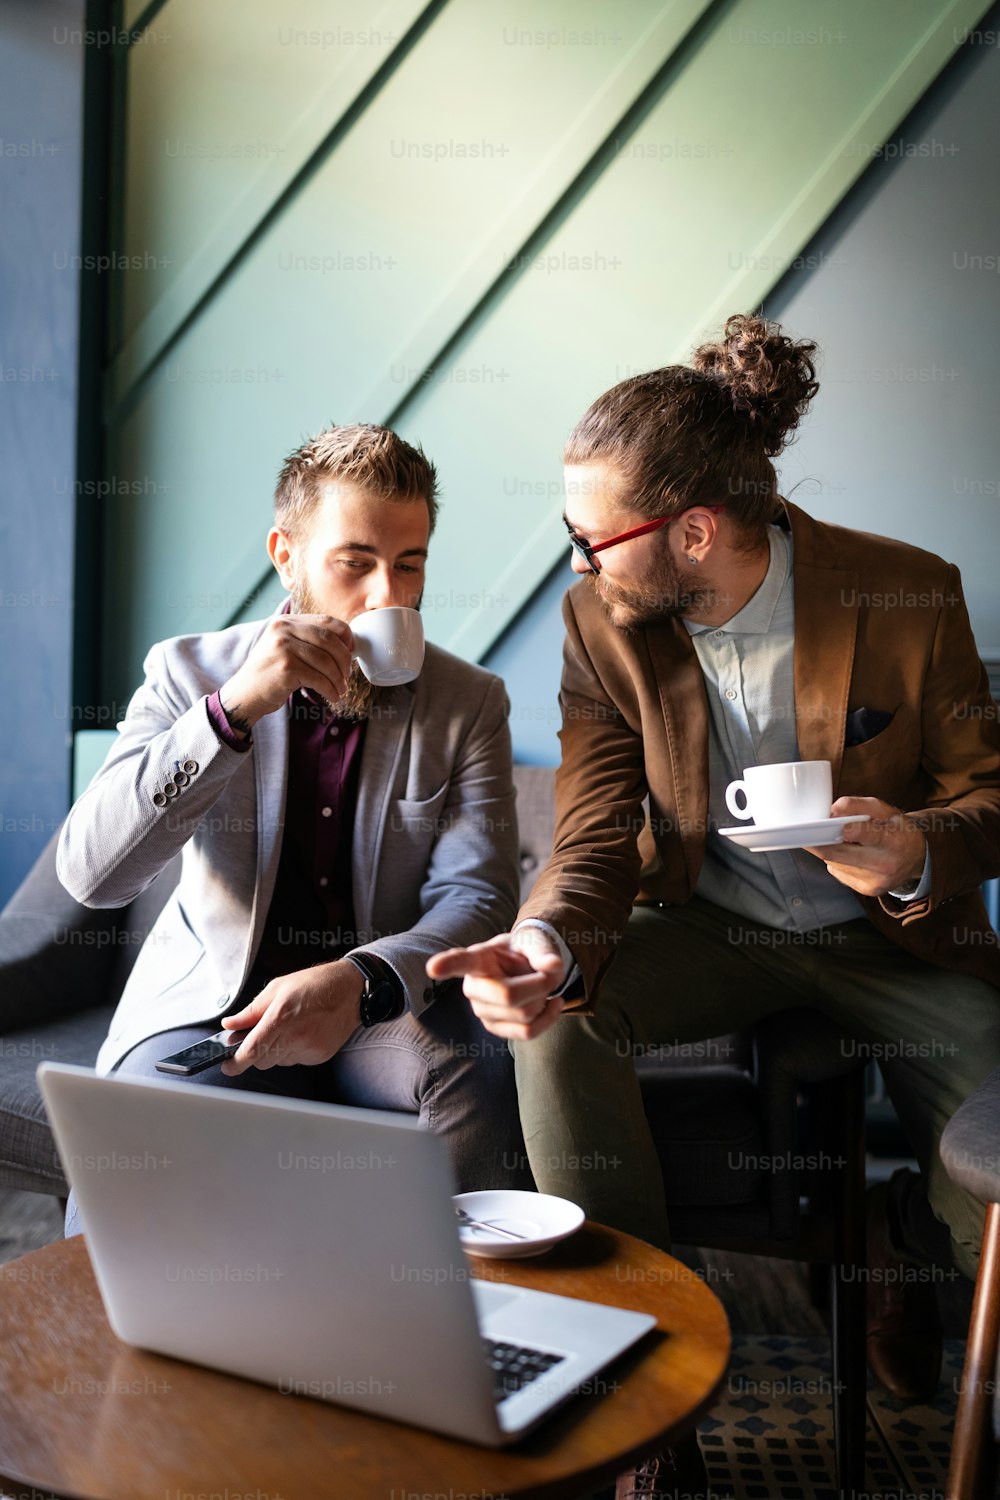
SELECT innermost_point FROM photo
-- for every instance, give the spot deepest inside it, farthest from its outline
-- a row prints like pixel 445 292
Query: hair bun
pixel 770 377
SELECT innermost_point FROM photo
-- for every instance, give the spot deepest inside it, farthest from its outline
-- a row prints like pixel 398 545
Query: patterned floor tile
pixel 771 1435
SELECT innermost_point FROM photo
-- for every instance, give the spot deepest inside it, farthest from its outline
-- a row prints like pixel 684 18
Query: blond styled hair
pixel 376 459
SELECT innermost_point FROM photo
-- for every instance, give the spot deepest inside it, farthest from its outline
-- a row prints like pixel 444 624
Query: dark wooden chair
pixel 970 1150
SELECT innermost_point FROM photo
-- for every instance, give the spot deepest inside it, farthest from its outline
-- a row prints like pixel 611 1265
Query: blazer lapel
pixel 681 687
pixel 826 625
pixel 271 766
pixel 385 734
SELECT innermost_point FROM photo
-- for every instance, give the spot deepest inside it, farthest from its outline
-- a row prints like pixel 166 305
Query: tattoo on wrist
pixel 235 718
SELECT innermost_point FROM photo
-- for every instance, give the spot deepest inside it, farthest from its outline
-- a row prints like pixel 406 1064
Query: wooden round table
pixel 84 1415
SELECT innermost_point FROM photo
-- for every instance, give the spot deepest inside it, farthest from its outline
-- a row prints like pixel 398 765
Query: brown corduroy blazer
pixel 878 625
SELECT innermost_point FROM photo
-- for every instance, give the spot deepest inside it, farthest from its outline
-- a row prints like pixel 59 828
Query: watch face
pixel 378 1005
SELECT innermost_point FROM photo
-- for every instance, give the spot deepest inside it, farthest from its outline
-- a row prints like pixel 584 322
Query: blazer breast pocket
pixel 864 724
pixel 418 817
pixel 882 764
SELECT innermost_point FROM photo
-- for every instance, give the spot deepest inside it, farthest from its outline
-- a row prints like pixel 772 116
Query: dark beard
pixel 360 699
pixel 666 594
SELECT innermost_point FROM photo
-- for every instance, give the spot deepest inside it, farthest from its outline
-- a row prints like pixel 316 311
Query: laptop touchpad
pixel 491 1299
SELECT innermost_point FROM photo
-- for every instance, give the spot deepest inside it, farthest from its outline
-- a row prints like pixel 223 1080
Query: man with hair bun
pixel 716 626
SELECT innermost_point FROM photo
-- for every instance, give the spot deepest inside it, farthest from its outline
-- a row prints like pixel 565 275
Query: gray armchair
pixel 62 969
pixel 970 1150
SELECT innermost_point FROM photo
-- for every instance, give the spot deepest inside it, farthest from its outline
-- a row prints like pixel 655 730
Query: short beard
pixel 666 594
pixel 360 699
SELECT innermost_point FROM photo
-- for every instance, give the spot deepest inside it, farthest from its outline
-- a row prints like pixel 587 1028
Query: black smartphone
pixel 202 1055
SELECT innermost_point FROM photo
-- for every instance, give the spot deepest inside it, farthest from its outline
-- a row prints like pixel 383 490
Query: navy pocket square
pixel 864 724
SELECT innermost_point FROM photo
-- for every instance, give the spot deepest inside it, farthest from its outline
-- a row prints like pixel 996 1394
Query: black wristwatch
pixel 382 998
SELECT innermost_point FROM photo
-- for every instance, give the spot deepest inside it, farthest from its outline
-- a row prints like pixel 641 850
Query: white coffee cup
pixel 388 644
pixel 797 791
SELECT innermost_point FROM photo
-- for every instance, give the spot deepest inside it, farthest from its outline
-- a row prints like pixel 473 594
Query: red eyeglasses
pixel 587 549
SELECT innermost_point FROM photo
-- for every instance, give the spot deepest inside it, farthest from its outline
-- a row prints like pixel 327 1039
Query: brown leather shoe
pixel 675 1474
pixel 904 1322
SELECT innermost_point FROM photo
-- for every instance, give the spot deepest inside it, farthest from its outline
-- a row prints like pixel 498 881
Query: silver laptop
pixel 313 1247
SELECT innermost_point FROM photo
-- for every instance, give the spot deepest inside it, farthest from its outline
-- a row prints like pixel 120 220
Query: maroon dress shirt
pixel 311 916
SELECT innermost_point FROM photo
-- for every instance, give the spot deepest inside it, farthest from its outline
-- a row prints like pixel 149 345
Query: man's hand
pixel 508 980
pixel 874 857
pixel 305 1017
pixel 293 651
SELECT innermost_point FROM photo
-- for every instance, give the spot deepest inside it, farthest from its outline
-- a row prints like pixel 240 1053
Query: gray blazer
pixel 434 855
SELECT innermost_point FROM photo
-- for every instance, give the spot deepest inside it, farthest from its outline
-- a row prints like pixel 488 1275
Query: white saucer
pixel 541 1218
pixel 791 835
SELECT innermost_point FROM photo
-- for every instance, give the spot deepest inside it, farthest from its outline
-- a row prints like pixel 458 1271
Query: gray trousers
pixel 443 1067
pixel 687 973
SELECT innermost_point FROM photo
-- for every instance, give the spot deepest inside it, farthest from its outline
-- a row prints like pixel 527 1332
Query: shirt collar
pixel 756 616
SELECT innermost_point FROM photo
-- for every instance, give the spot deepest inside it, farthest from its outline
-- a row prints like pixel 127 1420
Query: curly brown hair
pixel 704 433
pixel 374 458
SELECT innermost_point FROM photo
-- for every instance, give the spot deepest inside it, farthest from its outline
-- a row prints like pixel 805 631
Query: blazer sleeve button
pixel 159 799
pixel 181 778
pixel 190 766
pixel 169 790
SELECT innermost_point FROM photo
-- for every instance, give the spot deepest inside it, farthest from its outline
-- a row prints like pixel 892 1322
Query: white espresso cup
pixel 797 791
pixel 388 644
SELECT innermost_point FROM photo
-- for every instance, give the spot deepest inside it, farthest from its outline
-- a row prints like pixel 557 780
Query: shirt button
pixel 718 634
pixel 327 812
pixel 731 693
pixel 333 730
pixel 324 880
pixel 796 900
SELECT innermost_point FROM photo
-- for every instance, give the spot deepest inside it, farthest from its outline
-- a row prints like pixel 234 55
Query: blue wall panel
pixel 41 78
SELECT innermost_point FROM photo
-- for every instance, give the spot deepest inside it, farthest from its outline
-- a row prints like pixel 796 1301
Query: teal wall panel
pixel 534 201
pixel 332 301
pixel 226 104
pixel 901 438
pixel 631 279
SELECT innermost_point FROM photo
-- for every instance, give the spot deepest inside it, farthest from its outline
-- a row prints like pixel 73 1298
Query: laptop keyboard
pixel 516 1365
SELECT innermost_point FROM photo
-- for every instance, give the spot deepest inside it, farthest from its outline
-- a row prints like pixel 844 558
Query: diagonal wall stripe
pixel 138 14
pixel 349 91
pixel 641 218
pixel 514 242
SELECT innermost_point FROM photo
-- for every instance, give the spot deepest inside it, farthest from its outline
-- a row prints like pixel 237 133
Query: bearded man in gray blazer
pixel 333 835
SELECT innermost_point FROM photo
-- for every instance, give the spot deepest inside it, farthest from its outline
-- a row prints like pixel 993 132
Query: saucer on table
pixel 542 1219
